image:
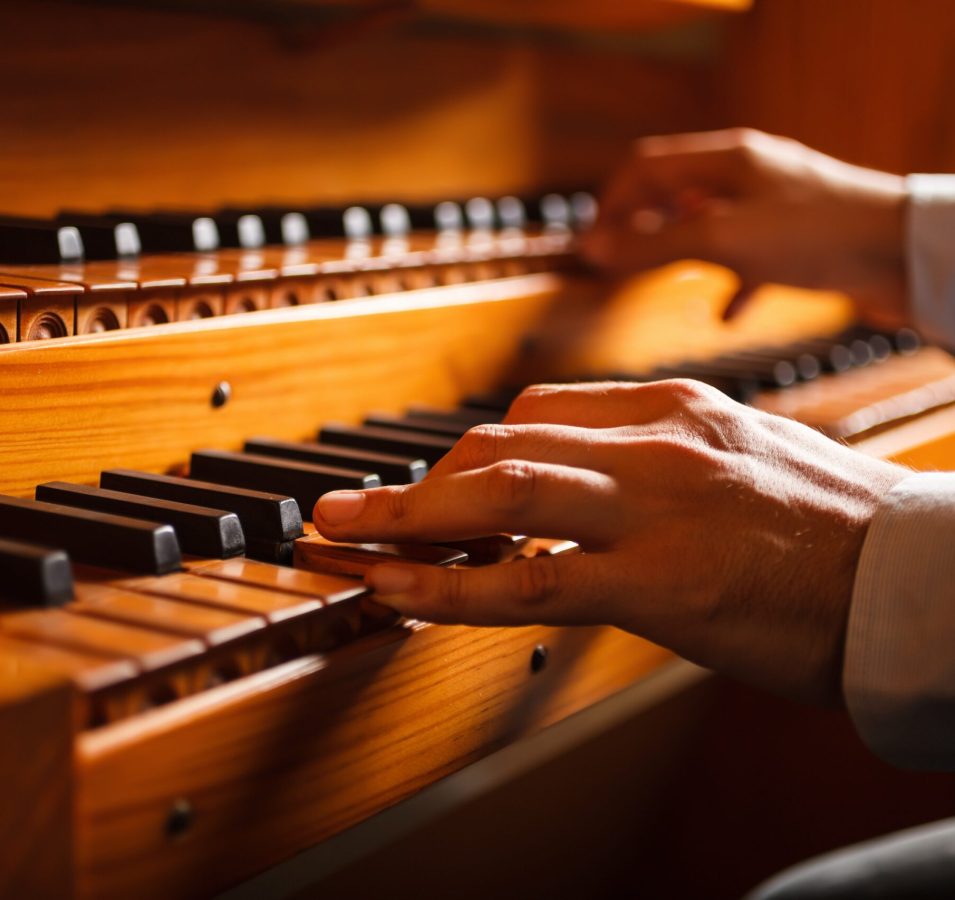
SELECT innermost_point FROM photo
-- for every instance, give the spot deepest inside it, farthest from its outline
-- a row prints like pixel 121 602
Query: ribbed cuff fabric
pixel 930 247
pixel 899 674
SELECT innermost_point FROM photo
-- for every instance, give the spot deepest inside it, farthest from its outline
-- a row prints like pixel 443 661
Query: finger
pixel 544 590
pixel 660 167
pixel 607 404
pixel 513 496
pixel 647 239
pixel 485 445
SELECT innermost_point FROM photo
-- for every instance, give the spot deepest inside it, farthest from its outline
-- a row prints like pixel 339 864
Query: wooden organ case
pixel 190 789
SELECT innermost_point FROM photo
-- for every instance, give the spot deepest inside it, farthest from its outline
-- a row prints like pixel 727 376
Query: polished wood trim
pixel 288 757
pixel 36 782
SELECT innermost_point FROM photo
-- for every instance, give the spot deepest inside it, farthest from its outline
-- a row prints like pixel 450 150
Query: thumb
pixel 543 590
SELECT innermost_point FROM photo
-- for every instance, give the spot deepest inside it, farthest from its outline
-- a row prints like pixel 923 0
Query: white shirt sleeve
pixel 930 250
pixel 899 672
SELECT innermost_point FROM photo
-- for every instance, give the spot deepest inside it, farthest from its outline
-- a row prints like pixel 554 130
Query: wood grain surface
pixel 142 399
pixel 279 761
pixel 36 782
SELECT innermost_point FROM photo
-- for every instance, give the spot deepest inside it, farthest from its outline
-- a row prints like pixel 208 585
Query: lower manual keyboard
pixel 168 604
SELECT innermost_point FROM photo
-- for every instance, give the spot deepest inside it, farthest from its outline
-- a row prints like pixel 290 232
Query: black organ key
pixel 172 232
pixel 265 516
pixel 462 414
pixel 448 218
pixel 559 211
pixel 306 482
pixel 325 221
pixel 238 230
pixel 805 365
pixel 423 216
pixel 102 236
pixel 495 548
pixel 741 389
pixel 766 376
pixel 480 214
pixel 390 468
pixel 880 345
pixel 905 341
pixel 32 575
pixel 770 370
pixel 497 401
pixel 38 242
pixel 861 352
pixel 271 552
pixel 834 355
pixel 279 225
pixel 358 222
pixel 447 427
pixel 430 447
pixel 100 539
pixel 201 531
pixel 315 553
pixel 394 221
pixel 583 209
pixel 511 212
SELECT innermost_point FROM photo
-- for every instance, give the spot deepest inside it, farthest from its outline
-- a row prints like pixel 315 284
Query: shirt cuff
pixel 930 247
pixel 899 673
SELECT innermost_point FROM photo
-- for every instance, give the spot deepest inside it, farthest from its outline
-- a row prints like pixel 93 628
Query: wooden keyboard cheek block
pixel 36 813
pixel 307 740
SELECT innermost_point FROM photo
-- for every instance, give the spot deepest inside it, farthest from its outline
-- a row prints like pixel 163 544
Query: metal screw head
pixel 538 658
pixel 180 819
pixel 221 394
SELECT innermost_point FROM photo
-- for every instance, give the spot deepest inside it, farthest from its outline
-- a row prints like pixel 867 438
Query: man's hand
pixel 726 534
pixel 769 208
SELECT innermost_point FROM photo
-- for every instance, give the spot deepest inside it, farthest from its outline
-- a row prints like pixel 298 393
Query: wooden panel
pixel 36 815
pixel 112 106
pixel 147 395
pixel 865 80
pixel 630 15
pixel 320 745
pixel 9 303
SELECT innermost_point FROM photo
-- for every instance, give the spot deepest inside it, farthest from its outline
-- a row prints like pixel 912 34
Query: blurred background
pixel 293 100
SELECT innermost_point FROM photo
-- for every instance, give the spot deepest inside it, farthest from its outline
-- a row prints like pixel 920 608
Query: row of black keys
pixel 75 236
pixel 254 502
pixel 251 503
pixel 743 374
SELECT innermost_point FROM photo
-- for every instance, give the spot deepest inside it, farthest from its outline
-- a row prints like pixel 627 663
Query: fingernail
pixel 340 506
pixel 391 579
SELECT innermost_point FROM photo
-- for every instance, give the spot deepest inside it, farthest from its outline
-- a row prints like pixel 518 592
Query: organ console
pixel 194 686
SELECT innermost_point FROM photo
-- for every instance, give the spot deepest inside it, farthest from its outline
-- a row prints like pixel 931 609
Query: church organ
pixel 286 259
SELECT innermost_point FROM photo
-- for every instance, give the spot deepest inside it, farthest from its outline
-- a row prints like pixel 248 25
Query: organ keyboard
pixel 200 641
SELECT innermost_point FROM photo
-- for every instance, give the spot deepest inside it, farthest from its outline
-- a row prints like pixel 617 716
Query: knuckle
pixel 480 446
pixel 451 595
pixel 513 484
pixel 686 392
pixel 527 400
pixel 742 136
pixel 747 146
pixel 538 580
pixel 397 503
